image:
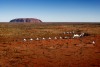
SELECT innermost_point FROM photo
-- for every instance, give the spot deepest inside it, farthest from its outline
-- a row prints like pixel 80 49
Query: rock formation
pixel 28 20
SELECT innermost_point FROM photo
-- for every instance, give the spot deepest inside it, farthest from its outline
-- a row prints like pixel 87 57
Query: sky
pixel 51 10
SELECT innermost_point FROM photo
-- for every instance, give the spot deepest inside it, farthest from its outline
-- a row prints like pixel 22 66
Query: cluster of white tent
pixel 49 38
pixel 66 37
pixel 69 32
pixel 93 42
pixel 74 34
pixel 78 35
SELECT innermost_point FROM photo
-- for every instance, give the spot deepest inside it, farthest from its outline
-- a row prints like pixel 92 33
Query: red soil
pixel 79 52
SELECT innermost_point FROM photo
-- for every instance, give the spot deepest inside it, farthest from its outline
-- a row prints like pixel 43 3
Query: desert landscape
pixel 49 44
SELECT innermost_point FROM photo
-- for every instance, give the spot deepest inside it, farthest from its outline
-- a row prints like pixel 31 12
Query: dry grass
pixel 11 31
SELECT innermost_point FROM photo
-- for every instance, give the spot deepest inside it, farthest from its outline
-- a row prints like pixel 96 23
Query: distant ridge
pixel 26 20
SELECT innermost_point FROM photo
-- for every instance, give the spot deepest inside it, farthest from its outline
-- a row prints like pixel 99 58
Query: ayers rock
pixel 26 20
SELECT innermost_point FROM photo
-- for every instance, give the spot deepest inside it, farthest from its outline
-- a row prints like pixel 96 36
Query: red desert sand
pixel 71 52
